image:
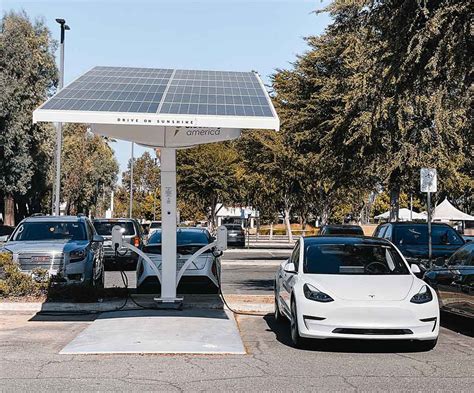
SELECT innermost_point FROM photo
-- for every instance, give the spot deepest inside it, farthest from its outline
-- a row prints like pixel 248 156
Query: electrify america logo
pixel 199 131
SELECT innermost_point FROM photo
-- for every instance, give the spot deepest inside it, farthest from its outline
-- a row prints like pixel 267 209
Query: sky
pixel 227 35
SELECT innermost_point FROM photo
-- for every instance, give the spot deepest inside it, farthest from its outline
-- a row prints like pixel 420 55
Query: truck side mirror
pixel 221 238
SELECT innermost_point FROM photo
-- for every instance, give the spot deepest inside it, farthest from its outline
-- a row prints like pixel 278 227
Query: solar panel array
pixel 145 90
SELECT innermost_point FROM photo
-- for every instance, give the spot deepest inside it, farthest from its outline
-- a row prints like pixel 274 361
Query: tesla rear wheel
pixel 296 339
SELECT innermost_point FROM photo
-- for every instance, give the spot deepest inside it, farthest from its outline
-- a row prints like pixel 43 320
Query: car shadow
pixel 457 323
pixel 282 334
pixel 258 284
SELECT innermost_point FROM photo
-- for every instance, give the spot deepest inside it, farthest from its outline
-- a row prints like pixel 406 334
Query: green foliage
pixel 14 283
pixel 146 189
pixel 89 171
pixel 27 76
pixel 208 175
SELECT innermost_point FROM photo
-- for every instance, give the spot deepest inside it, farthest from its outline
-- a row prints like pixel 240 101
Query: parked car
pixel 132 233
pixel 154 226
pixel 202 276
pixel 453 279
pixel 235 235
pixel 68 247
pixel 341 230
pixel 357 288
pixel 5 232
pixel 412 240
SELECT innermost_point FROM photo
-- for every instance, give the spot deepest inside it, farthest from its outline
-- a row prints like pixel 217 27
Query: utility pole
pixel 131 183
pixel 59 128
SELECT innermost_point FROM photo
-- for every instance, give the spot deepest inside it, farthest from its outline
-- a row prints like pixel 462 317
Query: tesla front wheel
pixel 296 339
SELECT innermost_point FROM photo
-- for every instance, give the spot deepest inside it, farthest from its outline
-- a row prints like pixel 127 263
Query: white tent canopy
pixel 445 211
pixel 403 215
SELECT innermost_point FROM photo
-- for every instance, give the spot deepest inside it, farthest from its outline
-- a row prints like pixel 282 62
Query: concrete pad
pixel 160 331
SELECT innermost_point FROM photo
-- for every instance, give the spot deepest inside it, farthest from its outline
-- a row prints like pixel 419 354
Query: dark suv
pixel 341 230
pixel 411 239
pixel 133 233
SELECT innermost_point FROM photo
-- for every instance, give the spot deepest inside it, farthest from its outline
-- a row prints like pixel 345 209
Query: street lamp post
pixel 57 192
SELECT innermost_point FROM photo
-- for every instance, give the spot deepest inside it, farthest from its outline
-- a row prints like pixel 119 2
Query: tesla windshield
pixel 353 259
pixel 183 237
pixel 50 231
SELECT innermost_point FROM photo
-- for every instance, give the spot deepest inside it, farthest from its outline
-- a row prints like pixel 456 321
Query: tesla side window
pixel 296 256
pixel 359 259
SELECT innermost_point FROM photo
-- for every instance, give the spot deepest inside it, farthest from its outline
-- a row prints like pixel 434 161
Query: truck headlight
pixel 77 255
pixel 315 294
pixel 423 296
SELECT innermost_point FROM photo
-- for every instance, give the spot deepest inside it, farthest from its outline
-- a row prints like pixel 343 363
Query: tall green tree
pixel 89 171
pixel 28 75
pixel 208 175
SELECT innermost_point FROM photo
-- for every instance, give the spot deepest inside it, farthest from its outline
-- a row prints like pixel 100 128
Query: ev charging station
pixel 170 109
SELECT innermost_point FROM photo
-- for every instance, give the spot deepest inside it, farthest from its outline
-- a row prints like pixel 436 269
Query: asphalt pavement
pixel 30 359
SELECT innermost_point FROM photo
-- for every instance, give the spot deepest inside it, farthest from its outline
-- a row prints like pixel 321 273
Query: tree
pixel 146 189
pixel 27 76
pixel 208 175
pixel 86 187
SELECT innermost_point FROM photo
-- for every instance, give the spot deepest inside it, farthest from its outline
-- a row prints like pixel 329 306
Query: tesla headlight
pixel 77 255
pixel 315 294
pixel 423 296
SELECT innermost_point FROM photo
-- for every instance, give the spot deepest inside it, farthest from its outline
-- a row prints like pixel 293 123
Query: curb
pixel 107 306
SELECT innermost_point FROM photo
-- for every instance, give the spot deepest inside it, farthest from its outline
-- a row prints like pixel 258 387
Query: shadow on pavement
pixel 258 284
pixel 282 333
pixel 457 323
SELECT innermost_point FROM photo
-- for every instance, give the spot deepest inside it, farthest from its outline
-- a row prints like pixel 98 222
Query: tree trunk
pixel 288 225
pixel 394 203
pixel 9 216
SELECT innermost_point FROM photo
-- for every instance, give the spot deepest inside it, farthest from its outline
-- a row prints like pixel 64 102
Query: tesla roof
pixel 107 93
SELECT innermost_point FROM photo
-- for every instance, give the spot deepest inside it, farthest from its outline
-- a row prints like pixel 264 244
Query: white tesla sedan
pixel 354 287
pixel 202 276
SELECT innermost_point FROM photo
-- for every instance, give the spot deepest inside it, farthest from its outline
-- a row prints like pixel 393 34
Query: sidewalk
pixel 239 303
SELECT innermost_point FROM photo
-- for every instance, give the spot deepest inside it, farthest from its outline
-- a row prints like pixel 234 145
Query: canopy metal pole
pixel 168 225
pixel 131 181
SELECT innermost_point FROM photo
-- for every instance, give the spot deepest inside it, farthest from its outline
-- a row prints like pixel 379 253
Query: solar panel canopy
pixel 163 97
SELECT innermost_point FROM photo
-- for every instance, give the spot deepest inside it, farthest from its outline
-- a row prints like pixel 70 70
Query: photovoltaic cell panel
pixel 143 90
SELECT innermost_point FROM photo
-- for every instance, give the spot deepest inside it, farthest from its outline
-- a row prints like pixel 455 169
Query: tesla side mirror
pixel 97 239
pixel 415 269
pixel 290 268
pixel 440 261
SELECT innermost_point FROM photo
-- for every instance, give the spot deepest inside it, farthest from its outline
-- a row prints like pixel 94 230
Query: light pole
pixel 57 192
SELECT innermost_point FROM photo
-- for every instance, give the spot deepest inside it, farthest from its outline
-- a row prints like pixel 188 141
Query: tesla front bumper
pixel 396 320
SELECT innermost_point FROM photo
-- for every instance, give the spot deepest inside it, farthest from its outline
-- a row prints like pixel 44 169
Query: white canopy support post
pixel 168 226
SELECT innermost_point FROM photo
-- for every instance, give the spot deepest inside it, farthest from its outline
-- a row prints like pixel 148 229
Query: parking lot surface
pixel 30 361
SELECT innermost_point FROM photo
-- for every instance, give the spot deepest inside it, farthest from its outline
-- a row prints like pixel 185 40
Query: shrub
pixel 14 283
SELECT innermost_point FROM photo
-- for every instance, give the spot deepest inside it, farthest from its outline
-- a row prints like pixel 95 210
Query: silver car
pixel 67 247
